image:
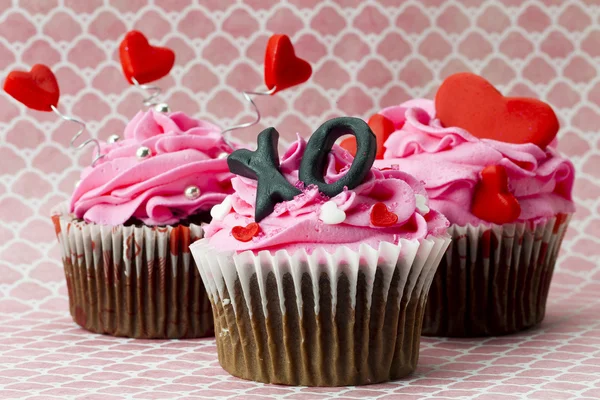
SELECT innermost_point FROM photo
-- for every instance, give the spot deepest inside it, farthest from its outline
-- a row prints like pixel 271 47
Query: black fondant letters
pixel 314 160
pixel 273 188
pixel 263 165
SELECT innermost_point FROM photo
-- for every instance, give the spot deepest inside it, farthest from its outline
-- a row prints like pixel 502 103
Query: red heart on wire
pixel 142 61
pixel 37 89
pixel 381 216
pixel 282 68
pixel 492 201
pixel 470 102
pixel 382 127
pixel 245 233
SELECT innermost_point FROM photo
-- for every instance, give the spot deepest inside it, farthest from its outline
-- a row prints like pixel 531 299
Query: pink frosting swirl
pixel 184 152
pixel 296 224
pixel 449 161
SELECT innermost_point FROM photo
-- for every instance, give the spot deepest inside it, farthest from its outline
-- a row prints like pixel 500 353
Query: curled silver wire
pixel 154 93
pixel 253 104
pixel 82 129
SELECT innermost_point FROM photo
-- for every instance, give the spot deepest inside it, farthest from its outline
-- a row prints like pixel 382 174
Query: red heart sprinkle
pixel 245 234
pixel 470 102
pixel 37 89
pixel 142 61
pixel 282 68
pixel 381 216
pixel 382 127
pixel 492 201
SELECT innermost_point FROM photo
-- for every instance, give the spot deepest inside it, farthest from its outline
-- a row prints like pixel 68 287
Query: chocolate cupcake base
pixel 133 281
pixel 320 320
pixel 494 280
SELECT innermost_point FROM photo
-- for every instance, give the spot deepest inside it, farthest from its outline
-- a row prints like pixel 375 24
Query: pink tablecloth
pixel 44 355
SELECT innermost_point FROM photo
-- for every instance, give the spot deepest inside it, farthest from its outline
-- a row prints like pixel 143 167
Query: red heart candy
pixel 382 127
pixel 282 68
pixel 470 102
pixel 492 201
pixel 245 233
pixel 142 61
pixel 37 89
pixel 381 216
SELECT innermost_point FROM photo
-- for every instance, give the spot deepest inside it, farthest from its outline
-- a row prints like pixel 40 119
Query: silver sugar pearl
pixel 192 192
pixel 113 138
pixel 162 108
pixel 223 155
pixel 143 152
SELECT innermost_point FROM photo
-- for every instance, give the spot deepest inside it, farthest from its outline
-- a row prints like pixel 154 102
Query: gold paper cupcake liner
pixel 494 280
pixel 138 282
pixel 320 319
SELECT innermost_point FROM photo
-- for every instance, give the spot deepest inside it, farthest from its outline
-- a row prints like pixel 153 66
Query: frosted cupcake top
pixel 166 168
pixel 375 206
pixel 453 164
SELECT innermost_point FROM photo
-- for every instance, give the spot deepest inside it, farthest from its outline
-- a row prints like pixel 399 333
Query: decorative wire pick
pixel 82 129
pixel 253 104
pixel 153 93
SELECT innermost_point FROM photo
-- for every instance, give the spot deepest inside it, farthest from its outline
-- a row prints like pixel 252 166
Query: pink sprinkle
pixel 363 207
pixel 323 197
pixel 278 208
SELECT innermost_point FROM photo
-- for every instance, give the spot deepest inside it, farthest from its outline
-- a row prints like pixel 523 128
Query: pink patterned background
pixel 366 55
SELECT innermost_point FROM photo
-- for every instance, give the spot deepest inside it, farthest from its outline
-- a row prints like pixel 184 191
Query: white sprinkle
pixel 421 204
pixel 330 214
pixel 219 211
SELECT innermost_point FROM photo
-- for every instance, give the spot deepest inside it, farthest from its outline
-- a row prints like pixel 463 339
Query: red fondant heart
pixel 245 233
pixel 142 61
pixel 382 127
pixel 470 102
pixel 492 201
pixel 381 216
pixel 282 68
pixel 37 89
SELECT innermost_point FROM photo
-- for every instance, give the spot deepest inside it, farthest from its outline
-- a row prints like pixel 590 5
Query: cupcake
pixel 126 233
pixel 490 165
pixel 318 265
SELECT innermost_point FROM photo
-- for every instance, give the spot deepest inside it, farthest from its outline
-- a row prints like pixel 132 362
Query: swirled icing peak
pixel 449 160
pixel 312 219
pixel 181 152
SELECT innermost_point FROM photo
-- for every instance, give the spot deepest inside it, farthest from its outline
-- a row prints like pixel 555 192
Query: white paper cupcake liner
pixel 320 319
pixel 132 281
pixel 494 280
